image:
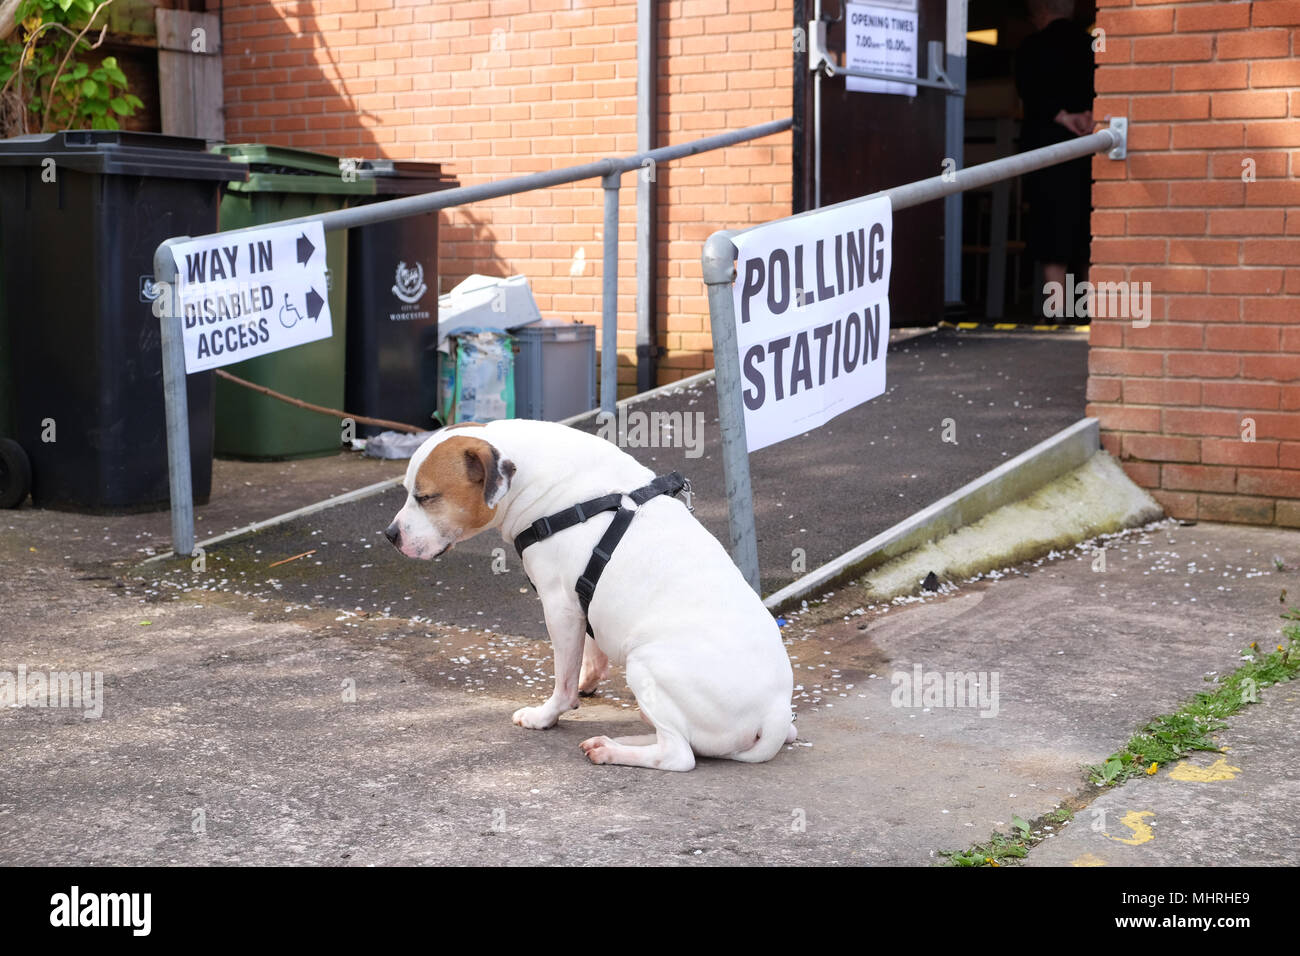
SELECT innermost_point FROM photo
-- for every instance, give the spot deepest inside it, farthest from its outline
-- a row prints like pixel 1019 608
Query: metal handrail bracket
pixel 820 58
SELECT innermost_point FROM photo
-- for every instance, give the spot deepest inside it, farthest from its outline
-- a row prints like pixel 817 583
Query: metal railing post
pixel 719 267
pixel 176 403
pixel 954 146
pixel 609 297
pixel 647 113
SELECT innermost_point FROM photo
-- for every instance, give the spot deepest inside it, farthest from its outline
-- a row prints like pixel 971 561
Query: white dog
pixel 704 658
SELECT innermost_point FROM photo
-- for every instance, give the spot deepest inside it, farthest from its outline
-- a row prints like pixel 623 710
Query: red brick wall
pixel 553 86
pixel 1206 86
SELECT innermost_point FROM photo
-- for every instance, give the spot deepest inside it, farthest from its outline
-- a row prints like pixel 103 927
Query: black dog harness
pixel 669 484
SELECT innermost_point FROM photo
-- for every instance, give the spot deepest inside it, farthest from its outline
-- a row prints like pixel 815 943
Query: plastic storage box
pixel 555 369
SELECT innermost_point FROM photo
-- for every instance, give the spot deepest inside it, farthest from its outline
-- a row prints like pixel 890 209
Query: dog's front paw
pixel 535 718
pixel 597 749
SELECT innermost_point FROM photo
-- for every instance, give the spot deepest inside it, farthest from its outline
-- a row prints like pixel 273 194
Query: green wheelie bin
pixel 284 184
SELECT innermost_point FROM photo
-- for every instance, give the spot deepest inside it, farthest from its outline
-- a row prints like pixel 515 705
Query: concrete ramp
pixel 1090 501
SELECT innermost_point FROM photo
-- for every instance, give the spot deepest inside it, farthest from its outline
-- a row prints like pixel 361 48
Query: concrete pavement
pixel 246 729
pixel 353 707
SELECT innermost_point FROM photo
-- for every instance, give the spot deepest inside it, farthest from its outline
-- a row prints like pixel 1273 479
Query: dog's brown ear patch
pixel 498 478
pixel 467 473
pixel 485 467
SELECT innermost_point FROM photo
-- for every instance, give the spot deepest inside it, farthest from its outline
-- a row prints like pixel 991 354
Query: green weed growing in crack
pixel 1172 737
pixel 1165 739
pixel 1006 849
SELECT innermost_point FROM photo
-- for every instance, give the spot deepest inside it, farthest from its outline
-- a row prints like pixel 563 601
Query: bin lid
pixel 400 186
pixel 544 328
pixel 294 183
pixel 403 167
pixel 280 159
pixel 280 169
pixel 120 153
pixel 405 177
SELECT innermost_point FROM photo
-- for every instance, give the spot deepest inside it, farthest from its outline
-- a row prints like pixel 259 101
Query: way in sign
pixel 210 265
pixel 257 294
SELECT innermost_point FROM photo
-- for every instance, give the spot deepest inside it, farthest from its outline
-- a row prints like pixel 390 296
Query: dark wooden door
pixel 872 141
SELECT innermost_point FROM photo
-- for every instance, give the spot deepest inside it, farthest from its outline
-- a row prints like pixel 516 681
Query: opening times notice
pixel 880 38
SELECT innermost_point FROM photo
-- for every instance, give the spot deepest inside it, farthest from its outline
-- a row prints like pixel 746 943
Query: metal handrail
pixel 718 261
pixel 608 170
pixel 405 206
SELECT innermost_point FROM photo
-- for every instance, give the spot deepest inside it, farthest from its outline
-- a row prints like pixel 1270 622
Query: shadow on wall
pixel 287 86
pixel 467 246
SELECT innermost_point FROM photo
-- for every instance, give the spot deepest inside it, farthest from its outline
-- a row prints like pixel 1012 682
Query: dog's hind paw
pixel 595 668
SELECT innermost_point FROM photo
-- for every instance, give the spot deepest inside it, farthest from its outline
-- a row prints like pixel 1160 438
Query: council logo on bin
pixel 150 290
pixel 410 287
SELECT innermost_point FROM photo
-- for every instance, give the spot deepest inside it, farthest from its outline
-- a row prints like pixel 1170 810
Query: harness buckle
pixel 542 527
pixel 585 589
pixel 582 515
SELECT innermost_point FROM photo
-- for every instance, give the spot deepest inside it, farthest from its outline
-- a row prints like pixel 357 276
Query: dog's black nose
pixel 393 533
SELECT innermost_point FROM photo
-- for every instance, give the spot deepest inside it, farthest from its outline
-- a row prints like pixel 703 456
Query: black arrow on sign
pixel 305 249
pixel 314 304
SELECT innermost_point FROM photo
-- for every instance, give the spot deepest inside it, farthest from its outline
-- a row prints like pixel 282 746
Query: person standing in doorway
pixel 1054 77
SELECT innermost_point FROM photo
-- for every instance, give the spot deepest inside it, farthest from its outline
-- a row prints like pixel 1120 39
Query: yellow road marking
pixel 1191 773
pixel 1141 832
pixel 1088 860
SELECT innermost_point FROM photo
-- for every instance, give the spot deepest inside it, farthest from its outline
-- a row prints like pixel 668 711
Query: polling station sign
pixel 812 317
pixel 247 294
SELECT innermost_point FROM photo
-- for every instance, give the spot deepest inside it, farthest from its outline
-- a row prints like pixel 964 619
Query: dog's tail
pixel 777 730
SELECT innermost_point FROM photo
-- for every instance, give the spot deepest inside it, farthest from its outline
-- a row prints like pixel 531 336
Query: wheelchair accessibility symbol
pixel 289 314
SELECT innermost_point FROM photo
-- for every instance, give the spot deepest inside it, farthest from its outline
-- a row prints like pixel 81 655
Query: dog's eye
pixel 425 499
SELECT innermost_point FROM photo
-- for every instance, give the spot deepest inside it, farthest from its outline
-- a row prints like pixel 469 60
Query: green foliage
pixel 1003 849
pixel 999 851
pixel 1021 826
pixel 44 61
